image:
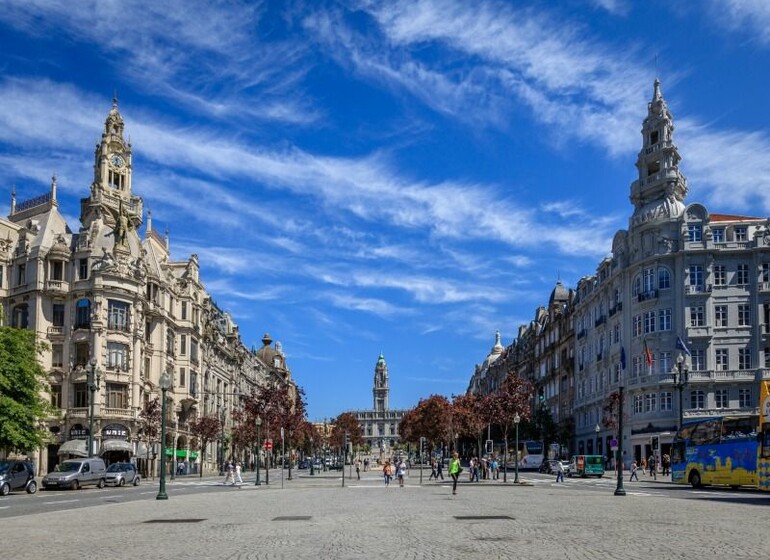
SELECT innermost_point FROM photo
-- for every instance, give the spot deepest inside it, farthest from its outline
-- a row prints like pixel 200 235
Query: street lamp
pixel 165 385
pixel 259 446
pixel 94 376
pixel 312 458
pixel 619 490
pixel 597 429
pixel 173 449
pixel 680 372
pixel 516 420
pixel 222 419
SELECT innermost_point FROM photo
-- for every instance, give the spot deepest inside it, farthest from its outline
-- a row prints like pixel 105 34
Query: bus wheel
pixel 695 479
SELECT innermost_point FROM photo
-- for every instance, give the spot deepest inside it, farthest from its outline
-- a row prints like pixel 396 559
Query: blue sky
pixel 396 177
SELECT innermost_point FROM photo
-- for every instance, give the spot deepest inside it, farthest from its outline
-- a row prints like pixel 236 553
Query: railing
pixel 696 289
pixel 123 326
pixel 649 294
pixel 764 286
pixel 601 319
pixel 56 330
pixel 56 286
pixel 118 412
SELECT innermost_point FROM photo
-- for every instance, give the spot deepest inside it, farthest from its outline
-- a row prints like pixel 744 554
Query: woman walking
pixel 386 473
pixel 454 470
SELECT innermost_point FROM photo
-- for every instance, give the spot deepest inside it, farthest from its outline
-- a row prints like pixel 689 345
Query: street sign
pixel 613 444
pixel 268 444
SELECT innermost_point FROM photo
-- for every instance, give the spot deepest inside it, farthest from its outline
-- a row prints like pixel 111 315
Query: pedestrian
pixel 228 473
pixel 386 473
pixel 559 472
pixel 471 468
pixel 653 467
pixel 433 470
pixel 495 468
pixel 440 468
pixel 454 470
pixel 666 464
pixel 643 464
pixel 366 465
pixel 401 473
pixel 634 475
pixel 358 469
pixel 237 479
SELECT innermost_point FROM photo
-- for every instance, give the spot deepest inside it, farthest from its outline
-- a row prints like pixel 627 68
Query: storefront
pixel 115 445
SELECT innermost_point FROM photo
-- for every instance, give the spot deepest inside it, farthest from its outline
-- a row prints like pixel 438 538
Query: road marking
pixel 60 502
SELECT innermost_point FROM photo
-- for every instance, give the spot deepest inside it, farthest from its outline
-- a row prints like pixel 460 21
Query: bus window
pixel 765 442
pixel 677 452
pixel 739 428
pixel 706 432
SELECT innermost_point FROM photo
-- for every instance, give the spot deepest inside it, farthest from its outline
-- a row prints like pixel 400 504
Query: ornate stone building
pixel 117 312
pixel 380 425
pixel 679 271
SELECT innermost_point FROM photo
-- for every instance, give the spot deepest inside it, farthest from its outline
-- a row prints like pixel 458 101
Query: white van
pixel 76 473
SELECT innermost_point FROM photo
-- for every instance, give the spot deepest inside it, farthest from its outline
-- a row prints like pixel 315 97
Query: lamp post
pixel 597 429
pixel 619 490
pixel 173 450
pixel 222 419
pixel 516 420
pixel 94 375
pixel 259 448
pixel 312 458
pixel 680 373
pixel 165 385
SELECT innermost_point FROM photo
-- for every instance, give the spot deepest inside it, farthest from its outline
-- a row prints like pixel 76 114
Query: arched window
pixel 20 317
pixel 664 278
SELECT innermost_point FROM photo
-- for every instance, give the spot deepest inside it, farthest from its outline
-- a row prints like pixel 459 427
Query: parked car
pixel 75 473
pixel 120 474
pixel 15 475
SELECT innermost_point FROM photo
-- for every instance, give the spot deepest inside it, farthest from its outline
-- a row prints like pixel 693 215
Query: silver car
pixel 120 474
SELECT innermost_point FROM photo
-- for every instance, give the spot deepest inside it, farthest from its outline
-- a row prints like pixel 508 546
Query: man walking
pixel 454 470
pixel 559 472
pixel 634 474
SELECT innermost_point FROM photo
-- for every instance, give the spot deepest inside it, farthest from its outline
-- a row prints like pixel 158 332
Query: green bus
pixel 586 465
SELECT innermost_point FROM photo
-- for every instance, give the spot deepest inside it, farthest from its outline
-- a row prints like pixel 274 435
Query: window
pixel 694 232
pixel 83 269
pixel 742 275
pixel 181 377
pixel 193 351
pixel 58 315
pixel 666 401
pixel 767 357
pixel 83 314
pixel 697 399
pixel 744 358
pixel 81 395
pixel 744 315
pixel 718 235
pixel 637 325
pixel 638 404
pixel 697 316
pixel 741 233
pixel 637 369
pixel 650 402
pixel 2 270
pixel 117 395
pixel 765 273
pixel 55 396
pixel 664 362
pixel 56 270
pixel 82 354
pixel 636 289
pixel 696 276
pixel 698 360
pixel 664 279
pixel 184 310
pixel 720 398
pixel 118 315
pixel 57 355
pixel 720 315
pixel 170 343
pixel 744 398
pixel 649 279
pixel 117 356
pixel 649 322
pixel 664 319
pixel 20 316
pixel 21 276
pixel 183 345
pixel 722 359
pixel 193 384
pixel 720 275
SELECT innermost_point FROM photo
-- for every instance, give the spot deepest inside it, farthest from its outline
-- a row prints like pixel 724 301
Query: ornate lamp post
pixel 259 448
pixel 173 450
pixel 619 490
pixel 165 385
pixel 94 376
pixel 597 429
pixel 222 418
pixel 312 458
pixel 680 373
pixel 516 420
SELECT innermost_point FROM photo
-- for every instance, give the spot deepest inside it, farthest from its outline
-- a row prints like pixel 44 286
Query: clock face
pixel 117 160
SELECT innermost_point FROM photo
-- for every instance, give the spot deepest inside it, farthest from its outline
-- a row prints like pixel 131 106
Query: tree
pixel 149 424
pixel 22 380
pixel 346 423
pixel 205 429
pixel 470 416
pixel 512 397
pixel 431 419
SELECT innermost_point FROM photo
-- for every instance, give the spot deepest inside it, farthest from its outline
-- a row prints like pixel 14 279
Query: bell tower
pixel 381 389
pixel 660 190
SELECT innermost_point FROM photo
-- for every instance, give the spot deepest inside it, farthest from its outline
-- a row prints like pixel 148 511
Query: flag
pixel 682 346
pixel 622 358
pixel 647 354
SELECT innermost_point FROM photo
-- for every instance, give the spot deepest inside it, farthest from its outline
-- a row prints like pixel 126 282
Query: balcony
pixel 55 331
pixel 118 412
pixel 764 286
pixel 121 326
pixel 649 294
pixel 57 286
pixel 600 320
pixel 693 289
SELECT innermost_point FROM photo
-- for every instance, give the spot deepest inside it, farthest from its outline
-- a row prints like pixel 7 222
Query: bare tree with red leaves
pixel 206 429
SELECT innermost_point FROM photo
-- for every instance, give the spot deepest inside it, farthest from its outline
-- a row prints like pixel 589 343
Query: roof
pixel 731 218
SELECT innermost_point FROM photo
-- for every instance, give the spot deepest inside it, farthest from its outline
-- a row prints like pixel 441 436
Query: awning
pixel 77 447
pixel 116 445
pixel 182 453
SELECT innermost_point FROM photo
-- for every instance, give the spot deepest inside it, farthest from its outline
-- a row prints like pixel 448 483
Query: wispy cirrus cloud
pixel 746 17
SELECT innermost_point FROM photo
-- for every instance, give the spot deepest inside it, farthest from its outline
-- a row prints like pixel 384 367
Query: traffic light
pixel 347 439
pixel 488 449
pixel 541 394
pixel 423 445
